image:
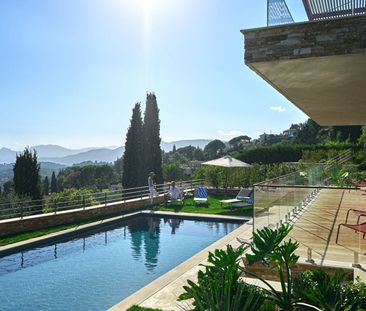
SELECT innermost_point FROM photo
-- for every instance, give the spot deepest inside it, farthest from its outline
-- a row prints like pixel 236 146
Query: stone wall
pixel 309 39
pixel 42 221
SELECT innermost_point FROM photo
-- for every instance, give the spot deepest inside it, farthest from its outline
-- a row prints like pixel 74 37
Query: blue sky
pixel 71 70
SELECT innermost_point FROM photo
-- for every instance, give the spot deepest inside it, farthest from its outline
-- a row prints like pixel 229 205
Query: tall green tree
pixel 346 133
pixel 151 131
pixel 214 149
pixel 308 133
pixel 46 186
pixel 238 141
pixel 54 187
pixel 118 167
pixel 8 187
pixel 27 181
pixel 132 158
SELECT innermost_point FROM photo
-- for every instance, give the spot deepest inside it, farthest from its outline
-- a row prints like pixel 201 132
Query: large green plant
pixel 330 292
pixel 270 249
pixel 219 286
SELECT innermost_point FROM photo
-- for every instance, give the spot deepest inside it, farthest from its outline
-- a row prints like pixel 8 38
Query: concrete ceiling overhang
pixel 329 89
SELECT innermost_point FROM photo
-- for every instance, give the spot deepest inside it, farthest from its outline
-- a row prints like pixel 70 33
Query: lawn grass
pixel 137 308
pixel 214 207
pixel 35 234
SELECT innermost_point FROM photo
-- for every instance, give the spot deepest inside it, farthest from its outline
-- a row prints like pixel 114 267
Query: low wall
pixel 43 221
pixel 297 269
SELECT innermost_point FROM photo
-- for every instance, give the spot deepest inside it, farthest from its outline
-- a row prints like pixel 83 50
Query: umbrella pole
pixel 226 181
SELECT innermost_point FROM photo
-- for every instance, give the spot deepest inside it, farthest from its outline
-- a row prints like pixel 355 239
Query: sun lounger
pixel 240 199
pixel 200 196
pixel 358 228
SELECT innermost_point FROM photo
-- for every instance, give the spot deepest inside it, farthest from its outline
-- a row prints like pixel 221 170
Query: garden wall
pixel 42 221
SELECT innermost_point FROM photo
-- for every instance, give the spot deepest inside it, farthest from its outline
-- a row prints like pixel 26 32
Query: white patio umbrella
pixel 228 162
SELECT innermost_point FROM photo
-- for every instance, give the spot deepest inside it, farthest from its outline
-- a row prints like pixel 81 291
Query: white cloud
pixel 230 133
pixel 277 108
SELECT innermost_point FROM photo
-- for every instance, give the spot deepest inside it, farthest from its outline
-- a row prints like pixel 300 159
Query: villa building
pixel 318 65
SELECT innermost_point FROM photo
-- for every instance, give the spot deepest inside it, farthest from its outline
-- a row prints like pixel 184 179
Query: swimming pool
pixel 97 269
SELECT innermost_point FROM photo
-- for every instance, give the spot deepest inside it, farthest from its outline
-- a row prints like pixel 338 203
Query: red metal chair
pixel 357 212
pixel 358 228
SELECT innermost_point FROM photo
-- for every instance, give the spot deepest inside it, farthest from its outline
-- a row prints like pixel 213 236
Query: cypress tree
pixel 27 181
pixel 54 187
pixel 132 158
pixel 151 130
pixel 174 149
pixel 46 186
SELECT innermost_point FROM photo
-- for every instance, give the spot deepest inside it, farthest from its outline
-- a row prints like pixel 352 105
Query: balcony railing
pixel 17 208
pixel 315 201
pixel 324 9
pixel 278 13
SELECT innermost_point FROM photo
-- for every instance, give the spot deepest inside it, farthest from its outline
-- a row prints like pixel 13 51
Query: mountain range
pixel 65 156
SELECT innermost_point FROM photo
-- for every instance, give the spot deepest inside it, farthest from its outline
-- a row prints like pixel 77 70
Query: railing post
pixel 21 211
pixel 309 256
pixel 355 263
pixel 84 202
pixel 55 207
pixel 141 193
pixel 105 198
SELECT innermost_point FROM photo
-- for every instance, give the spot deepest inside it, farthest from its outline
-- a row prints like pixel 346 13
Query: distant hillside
pixel 168 146
pixel 65 156
pixel 6 170
pixel 48 151
pixel 7 155
pixel 99 155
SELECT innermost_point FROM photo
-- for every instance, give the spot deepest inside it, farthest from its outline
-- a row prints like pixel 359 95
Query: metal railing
pixel 278 13
pixel 17 208
pixel 325 9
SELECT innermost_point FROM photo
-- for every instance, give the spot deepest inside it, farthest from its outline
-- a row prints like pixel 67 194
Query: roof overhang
pixel 331 90
pixel 319 66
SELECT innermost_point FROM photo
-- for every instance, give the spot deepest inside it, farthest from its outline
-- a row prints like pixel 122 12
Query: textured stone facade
pixel 330 37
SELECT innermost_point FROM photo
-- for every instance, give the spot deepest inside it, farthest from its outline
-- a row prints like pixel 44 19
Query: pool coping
pixel 178 271
pixel 67 233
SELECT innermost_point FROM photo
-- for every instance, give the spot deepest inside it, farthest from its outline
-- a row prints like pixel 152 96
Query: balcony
pixel 318 65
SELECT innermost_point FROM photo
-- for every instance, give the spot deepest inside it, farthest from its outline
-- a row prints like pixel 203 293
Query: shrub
pixel 330 292
pixel 219 287
pixel 243 177
pixel 69 199
pixel 293 153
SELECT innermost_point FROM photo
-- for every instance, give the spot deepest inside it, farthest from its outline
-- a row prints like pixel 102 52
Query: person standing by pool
pixel 152 190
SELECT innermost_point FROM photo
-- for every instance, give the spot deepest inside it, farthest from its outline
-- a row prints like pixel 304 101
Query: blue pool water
pixel 98 269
